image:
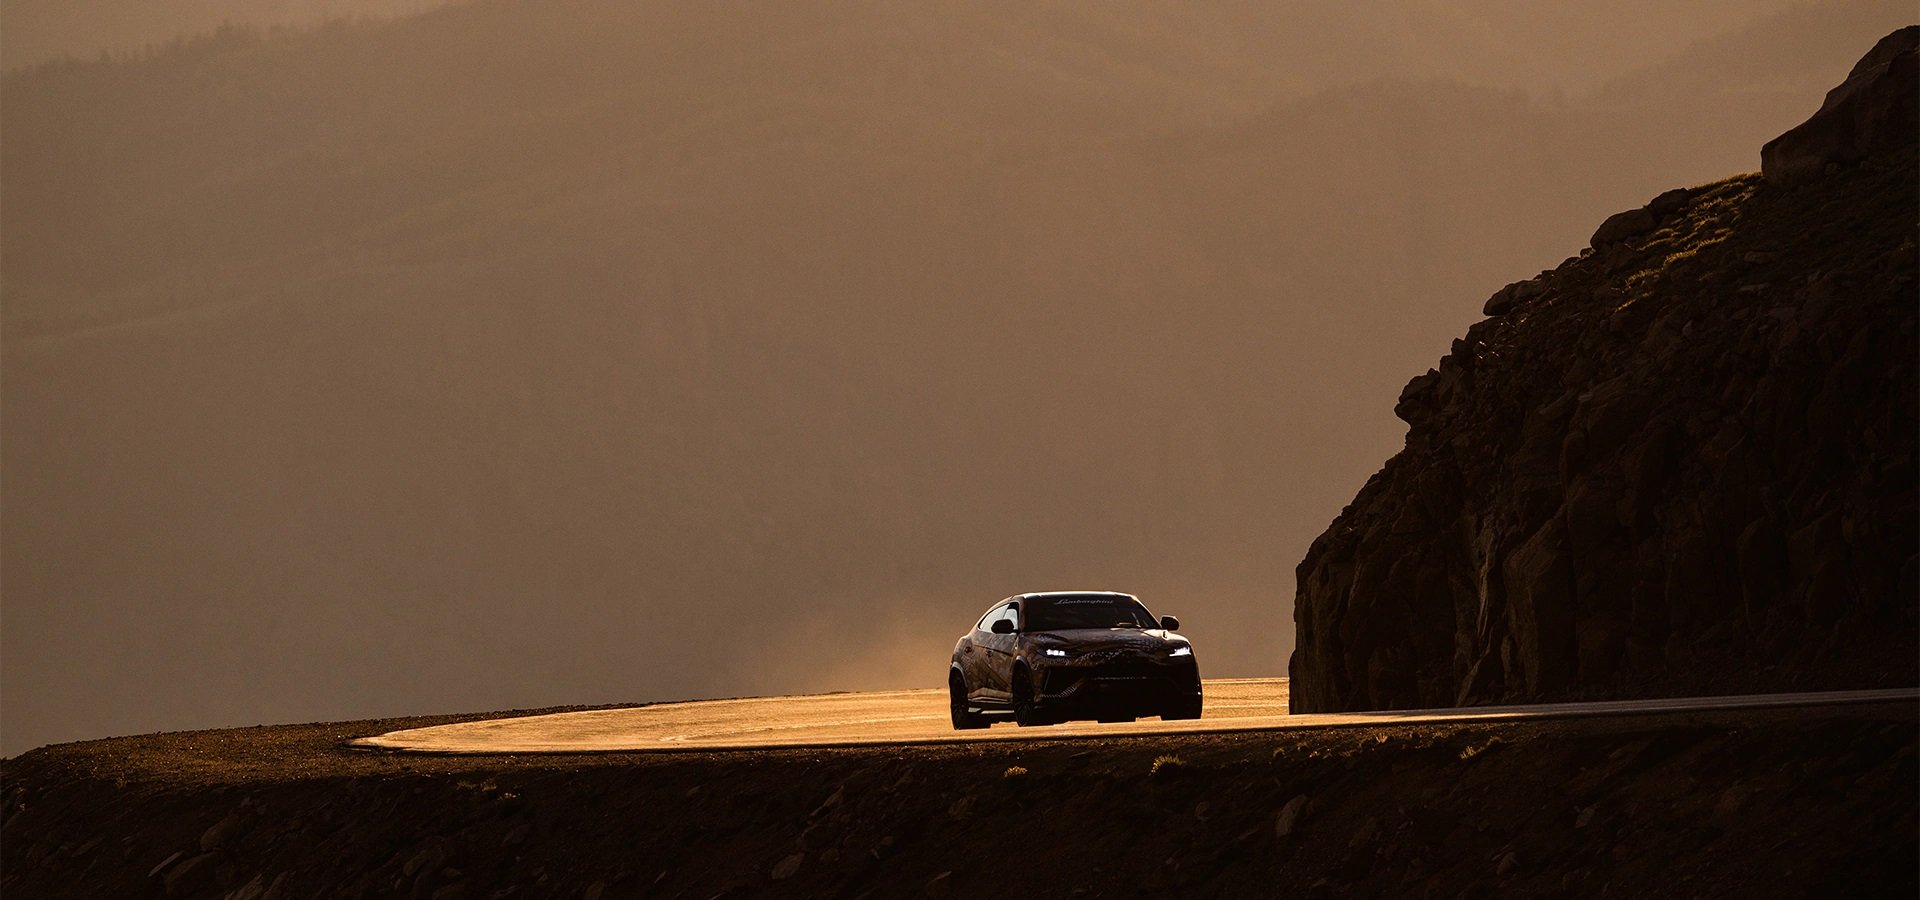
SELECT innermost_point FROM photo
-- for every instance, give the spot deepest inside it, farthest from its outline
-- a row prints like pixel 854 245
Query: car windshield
pixel 1084 611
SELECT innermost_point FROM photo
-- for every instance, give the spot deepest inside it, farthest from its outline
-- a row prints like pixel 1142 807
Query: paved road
pixel 920 717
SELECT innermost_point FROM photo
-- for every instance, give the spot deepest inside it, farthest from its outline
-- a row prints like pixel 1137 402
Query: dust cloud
pixel 517 354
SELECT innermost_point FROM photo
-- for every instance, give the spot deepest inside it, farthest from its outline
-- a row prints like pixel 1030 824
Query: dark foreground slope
pixel 1682 462
pixel 1802 802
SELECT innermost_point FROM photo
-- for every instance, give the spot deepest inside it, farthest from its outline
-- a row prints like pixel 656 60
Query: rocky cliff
pixel 1681 462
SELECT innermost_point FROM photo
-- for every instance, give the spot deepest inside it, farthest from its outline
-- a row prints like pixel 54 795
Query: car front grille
pixel 1067 678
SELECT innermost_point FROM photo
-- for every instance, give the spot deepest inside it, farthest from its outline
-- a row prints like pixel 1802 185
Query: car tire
pixel 1024 713
pixel 963 718
pixel 1185 709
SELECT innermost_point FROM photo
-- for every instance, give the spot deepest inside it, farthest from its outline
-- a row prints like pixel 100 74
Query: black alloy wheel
pixel 963 720
pixel 1023 712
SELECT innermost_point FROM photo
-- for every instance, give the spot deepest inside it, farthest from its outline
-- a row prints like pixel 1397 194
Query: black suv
pixel 1047 658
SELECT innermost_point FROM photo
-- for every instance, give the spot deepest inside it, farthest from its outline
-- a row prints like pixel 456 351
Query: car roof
pixel 1037 595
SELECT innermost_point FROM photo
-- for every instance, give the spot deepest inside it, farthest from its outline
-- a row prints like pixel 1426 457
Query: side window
pixel 986 621
pixel 1012 615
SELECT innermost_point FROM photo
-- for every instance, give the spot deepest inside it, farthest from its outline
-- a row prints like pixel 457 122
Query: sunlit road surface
pixel 921 717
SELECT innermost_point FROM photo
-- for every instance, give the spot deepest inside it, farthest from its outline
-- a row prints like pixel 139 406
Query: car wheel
pixel 1185 709
pixel 963 720
pixel 1024 713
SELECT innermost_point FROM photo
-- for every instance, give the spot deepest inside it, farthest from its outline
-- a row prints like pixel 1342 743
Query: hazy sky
pixel 583 351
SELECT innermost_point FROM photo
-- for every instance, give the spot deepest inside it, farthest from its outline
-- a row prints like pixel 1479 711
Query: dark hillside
pixel 1799 802
pixel 1681 462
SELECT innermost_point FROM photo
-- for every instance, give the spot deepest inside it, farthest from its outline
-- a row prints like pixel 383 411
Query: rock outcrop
pixel 1877 108
pixel 1681 462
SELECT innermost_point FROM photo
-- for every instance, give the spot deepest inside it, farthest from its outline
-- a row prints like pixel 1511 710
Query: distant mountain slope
pixel 1682 462
pixel 38 31
pixel 1501 40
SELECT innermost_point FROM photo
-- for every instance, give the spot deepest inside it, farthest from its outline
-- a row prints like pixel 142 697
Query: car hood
pixel 1108 638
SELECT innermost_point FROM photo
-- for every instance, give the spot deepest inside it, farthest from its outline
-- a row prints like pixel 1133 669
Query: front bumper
pixel 1134 684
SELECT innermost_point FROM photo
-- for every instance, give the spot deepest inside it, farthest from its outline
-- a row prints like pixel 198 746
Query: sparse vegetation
pixel 1471 750
pixel 1014 772
pixel 1167 766
pixel 487 788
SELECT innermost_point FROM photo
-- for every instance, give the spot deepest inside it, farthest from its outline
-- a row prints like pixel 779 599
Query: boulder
pixel 1500 303
pixel 1623 225
pixel 1285 821
pixel 1417 397
pixel 1669 202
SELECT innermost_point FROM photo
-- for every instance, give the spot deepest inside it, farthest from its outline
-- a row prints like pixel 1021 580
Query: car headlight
pixel 1182 650
pixel 1055 653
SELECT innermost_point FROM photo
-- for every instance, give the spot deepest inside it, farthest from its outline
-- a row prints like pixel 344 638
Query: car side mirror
pixel 1170 623
pixel 1003 626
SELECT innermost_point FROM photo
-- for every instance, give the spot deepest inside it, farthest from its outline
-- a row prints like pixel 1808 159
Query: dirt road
pixel 920 717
